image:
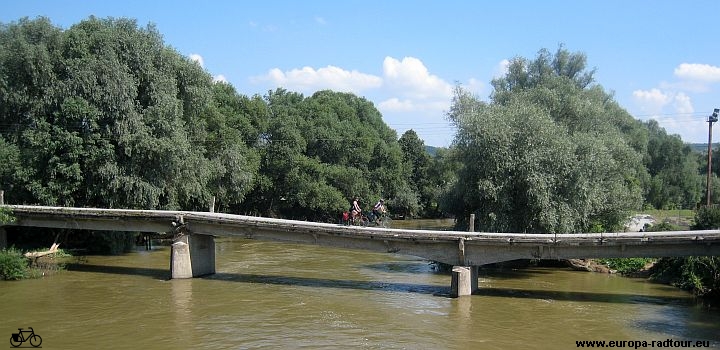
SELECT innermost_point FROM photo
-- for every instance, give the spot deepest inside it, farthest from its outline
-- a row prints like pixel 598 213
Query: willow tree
pixel 547 154
pixel 417 163
pixel 319 151
pixel 105 114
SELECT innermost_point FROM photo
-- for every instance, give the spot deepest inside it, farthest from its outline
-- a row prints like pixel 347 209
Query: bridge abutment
pixel 192 255
pixel 464 280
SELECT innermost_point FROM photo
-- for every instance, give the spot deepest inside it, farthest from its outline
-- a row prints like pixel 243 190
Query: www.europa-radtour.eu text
pixel 636 344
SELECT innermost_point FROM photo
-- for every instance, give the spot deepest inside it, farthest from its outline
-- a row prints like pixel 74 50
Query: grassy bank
pixel 14 265
pixel 682 218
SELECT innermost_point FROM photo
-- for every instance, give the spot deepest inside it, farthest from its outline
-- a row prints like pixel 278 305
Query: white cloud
pixel 682 104
pixel 502 68
pixel 672 103
pixel 689 129
pixel 220 78
pixel 197 59
pixel 408 81
pixel 395 104
pixel 699 72
pixel 411 78
pixel 651 101
pixel 674 111
pixel 309 80
pixel 407 94
pixel 320 20
pixel 655 100
pixel 476 86
pixel 413 94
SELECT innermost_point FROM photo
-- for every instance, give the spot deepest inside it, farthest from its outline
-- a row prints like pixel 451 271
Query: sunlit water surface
pixel 271 295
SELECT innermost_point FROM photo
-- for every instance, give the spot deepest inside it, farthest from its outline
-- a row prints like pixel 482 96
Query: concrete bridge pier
pixel 464 280
pixel 192 255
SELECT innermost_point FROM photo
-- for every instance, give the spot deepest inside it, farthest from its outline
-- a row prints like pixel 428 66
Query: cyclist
pixel 355 209
pixel 378 210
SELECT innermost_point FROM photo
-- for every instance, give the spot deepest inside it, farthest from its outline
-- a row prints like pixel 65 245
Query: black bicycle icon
pixel 18 338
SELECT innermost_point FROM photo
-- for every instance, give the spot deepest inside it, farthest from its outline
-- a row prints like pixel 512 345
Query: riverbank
pixel 15 265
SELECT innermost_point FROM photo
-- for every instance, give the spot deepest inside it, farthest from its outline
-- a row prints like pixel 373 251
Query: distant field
pixel 701 147
pixel 683 217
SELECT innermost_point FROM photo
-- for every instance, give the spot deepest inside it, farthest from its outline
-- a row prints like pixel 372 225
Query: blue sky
pixel 660 58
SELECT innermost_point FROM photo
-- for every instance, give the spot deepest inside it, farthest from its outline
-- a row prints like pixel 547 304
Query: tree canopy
pixel 549 153
pixel 105 114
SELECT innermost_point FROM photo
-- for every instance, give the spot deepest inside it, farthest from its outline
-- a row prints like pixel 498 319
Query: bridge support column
pixel 464 280
pixel 192 256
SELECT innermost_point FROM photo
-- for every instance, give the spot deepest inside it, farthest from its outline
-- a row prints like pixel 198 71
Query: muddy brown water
pixel 269 295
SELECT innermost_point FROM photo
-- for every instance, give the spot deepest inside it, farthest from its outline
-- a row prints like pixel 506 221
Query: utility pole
pixel 711 119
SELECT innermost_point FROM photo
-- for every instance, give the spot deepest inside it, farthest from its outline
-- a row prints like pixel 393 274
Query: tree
pixel 417 165
pixel 105 114
pixel 673 169
pixel 318 152
pixel 548 154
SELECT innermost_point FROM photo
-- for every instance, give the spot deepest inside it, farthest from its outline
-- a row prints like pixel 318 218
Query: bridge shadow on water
pixel 158 274
pixel 585 297
pixel 399 287
pixel 334 283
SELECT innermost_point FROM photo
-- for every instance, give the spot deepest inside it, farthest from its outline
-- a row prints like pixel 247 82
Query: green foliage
pixel 631 265
pixel 442 176
pixel 674 180
pixel 318 152
pixel 663 226
pixel 417 163
pixel 103 242
pixel 707 218
pixel 104 114
pixel 698 274
pixel 626 265
pixel 548 154
pixel 6 216
pixel 13 265
pixel 406 202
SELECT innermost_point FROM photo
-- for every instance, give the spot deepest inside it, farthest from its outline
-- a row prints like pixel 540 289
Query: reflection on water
pixel 269 295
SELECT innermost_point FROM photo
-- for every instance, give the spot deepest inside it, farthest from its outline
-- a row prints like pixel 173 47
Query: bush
pixel 698 274
pixel 13 265
pixel 663 226
pixel 6 216
pixel 701 274
pixel 626 265
pixel 707 218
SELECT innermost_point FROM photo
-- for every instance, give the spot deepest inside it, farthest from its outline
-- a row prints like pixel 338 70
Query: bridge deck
pixel 452 247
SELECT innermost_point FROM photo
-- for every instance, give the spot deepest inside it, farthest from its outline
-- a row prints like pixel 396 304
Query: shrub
pixel 707 218
pixel 626 265
pixel 6 216
pixel 700 274
pixel 663 226
pixel 13 265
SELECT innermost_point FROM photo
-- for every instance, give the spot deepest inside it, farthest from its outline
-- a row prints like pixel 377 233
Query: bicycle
pixel 18 338
pixel 382 221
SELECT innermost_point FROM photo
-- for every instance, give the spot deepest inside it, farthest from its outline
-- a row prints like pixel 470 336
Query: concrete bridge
pixel 193 253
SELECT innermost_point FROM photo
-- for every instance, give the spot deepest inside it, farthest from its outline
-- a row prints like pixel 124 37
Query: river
pixel 287 296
